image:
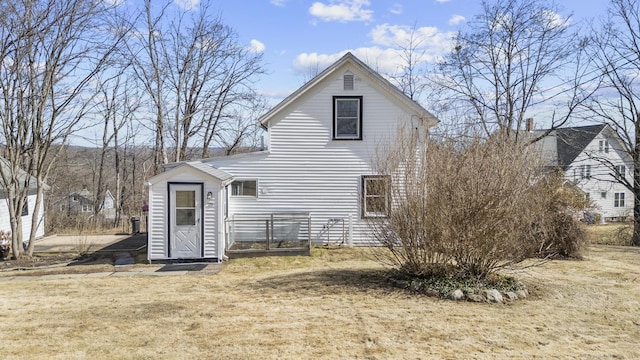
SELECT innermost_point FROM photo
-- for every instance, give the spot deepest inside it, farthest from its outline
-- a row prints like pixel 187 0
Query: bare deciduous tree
pixel 616 53
pixel 502 62
pixel 50 53
pixel 411 77
pixel 198 77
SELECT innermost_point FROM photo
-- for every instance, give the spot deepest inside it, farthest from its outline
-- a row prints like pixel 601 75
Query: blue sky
pixel 296 35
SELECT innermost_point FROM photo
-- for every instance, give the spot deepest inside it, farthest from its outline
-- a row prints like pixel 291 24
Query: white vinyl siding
pixel 5 224
pixel 158 212
pixel 603 177
pixel 305 170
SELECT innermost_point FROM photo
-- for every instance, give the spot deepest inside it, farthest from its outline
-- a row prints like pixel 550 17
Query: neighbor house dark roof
pixel 561 146
pixel 572 141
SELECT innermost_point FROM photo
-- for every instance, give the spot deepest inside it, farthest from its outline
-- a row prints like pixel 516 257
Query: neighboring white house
pixel 592 157
pixel 27 210
pixel 314 182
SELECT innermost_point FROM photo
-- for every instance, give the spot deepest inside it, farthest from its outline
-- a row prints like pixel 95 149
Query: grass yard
pixel 333 305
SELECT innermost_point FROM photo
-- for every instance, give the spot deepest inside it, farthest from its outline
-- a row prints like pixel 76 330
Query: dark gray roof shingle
pixel 572 141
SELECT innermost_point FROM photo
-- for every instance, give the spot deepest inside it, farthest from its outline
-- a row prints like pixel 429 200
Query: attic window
pixel 603 146
pixel 348 81
pixel 347 117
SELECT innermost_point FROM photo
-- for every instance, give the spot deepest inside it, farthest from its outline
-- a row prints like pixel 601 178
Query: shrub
pixel 558 232
pixel 457 206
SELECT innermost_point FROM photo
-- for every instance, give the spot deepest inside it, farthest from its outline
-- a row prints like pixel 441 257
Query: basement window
pixel 244 188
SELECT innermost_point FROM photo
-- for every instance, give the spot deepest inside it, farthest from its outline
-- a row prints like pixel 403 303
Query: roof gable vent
pixel 348 81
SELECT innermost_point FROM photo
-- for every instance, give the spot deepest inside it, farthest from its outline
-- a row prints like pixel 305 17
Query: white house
pixel 27 210
pixel 313 184
pixel 593 158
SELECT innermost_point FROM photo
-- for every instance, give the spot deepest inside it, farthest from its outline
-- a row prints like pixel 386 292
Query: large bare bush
pixel 458 207
pixel 556 231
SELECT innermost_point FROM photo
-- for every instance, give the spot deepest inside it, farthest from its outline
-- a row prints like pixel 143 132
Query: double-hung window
pixel 347 117
pixel 603 146
pixel 375 196
pixel 618 199
pixel 585 172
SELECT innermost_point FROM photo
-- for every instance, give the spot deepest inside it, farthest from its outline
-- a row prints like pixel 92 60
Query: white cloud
pixel 187 4
pixel 429 39
pixel 382 60
pixel 396 9
pixel 556 19
pixel 457 19
pixel 342 10
pixel 256 46
pixel 278 2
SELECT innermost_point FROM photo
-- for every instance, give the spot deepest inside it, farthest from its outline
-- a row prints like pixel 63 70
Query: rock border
pixel 463 294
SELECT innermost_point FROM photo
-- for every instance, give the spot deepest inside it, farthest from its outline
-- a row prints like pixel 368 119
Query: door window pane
pixel 185 216
pixel 185 199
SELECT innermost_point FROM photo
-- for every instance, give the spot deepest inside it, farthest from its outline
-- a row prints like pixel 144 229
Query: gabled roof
pixel 197 165
pixel 563 145
pixel 572 141
pixel 33 182
pixel 377 78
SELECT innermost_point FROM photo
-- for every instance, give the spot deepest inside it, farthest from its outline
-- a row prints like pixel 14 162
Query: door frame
pixel 170 211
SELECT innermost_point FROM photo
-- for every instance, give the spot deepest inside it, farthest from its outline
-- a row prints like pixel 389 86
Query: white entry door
pixel 186 231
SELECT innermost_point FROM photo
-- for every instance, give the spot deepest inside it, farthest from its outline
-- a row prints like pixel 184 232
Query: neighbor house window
pixel 618 200
pixel 244 188
pixel 87 208
pixel 375 196
pixel 603 146
pixel 347 117
pixel 585 172
pixel 620 172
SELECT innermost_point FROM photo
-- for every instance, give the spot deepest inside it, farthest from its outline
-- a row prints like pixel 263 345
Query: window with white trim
pixel 347 117
pixel 618 199
pixel 603 146
pixel 585 172
pixel 244 188
pixel 375 196
pixel 620 171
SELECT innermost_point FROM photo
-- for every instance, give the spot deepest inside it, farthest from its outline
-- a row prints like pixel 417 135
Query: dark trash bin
pixel 135 224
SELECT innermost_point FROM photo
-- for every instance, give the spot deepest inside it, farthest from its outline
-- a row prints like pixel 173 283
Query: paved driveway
pixel 74 243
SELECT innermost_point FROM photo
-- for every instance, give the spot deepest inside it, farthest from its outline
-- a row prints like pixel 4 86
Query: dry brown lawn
pixel 334 305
